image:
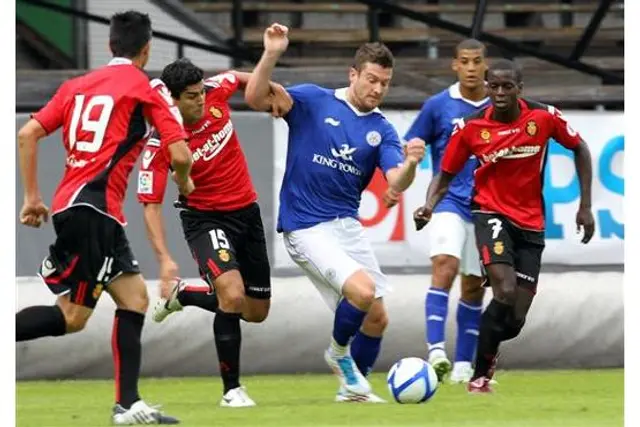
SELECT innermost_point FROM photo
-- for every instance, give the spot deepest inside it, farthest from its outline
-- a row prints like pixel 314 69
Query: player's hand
pixel 185 187
pixel 585 221
pixel 275 38
pixel 414 150
pixel 33 213
pixel 281 101
pixel 168 277
pixel 391 197
pixel 421 217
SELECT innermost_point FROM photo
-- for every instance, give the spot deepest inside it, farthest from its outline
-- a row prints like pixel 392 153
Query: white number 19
pixel 98 127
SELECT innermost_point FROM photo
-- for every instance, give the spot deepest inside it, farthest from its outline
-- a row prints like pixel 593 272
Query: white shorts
pixel 450 235
pixel 332 251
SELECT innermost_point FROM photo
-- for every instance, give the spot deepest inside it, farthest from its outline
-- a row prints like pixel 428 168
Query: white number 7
pixel 496 227
pixel 98 127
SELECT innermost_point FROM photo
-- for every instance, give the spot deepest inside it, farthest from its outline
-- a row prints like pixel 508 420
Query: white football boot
pixel 165 307
pixel 237 398
pixel 351 379
pixel 344 396
pixel 140 413
pixel 440 362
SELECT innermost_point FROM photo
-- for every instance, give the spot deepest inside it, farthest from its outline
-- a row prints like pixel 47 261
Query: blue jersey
pixel 434 125
pixel 332 154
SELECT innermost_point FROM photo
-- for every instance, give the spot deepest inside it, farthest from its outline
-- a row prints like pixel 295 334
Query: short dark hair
pixel 470 44
pixel 506 65
pixel 180 74
pixel 375 53
pixel 129 32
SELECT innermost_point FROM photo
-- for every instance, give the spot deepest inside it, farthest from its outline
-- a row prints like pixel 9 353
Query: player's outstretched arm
pixel 400 178
pixel 258 91
pixel 584 217
pixel 279 102
pixel 181 162
pixel 34 211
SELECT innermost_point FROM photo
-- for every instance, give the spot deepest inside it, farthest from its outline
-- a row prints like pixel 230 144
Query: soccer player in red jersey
pixel 220 219
pixel 510 139
pixel 103 115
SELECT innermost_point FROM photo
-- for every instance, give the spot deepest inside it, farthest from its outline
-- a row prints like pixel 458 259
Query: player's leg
pixel 67 275
pixel 469 309
pixel 320 254
pixel 446 241
pixel 255 269
pixel 494 236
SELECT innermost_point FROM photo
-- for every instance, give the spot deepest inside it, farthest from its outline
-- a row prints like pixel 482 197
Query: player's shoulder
pixel 310 89
pixel 220 79
pixel 544 110
pixel 474 118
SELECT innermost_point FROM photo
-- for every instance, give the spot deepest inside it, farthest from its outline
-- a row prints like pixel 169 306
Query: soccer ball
pixel 412 380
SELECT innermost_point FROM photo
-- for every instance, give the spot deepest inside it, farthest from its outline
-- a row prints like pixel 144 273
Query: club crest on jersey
pixel 485 135
pixel 374 138
pixel 532 128
pixel 215 112
pixel 224 255
pixel 498 248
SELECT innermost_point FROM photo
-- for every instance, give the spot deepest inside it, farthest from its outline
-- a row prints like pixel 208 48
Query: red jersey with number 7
pixel 512 158
pixel 104 117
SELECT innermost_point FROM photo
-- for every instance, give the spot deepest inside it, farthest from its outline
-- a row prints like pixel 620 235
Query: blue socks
pixel 347 322
pixel 365 351
pixel 436 306
pixel 468 318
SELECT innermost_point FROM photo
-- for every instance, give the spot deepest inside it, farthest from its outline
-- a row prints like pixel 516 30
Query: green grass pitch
pixel 587 398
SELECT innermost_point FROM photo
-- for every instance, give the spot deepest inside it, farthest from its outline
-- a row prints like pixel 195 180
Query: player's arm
pixel 44 122
pixel 152 183
pixel 279 102
pixel 258 91
pixel 455 156
pixel 569 138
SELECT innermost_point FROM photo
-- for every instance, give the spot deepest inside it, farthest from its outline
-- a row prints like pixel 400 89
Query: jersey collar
pixel 120 61
pixel 341 94
pixel 454 92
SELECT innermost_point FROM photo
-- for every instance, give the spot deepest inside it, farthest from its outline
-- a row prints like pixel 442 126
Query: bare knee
pixel 230 290
pixel 472 291
pixel 360 289
pixel 444 271
pixel 129 292
pixel 256 310
pixel 75 316
pixel 376 320
pixel 504 289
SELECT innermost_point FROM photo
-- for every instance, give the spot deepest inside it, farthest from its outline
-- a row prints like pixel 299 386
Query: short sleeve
pixel 423 125
pixel 390 153
pixel 303 97
pixel 458 150
pixel 163 115
pixel 222 86
pixel 154 172
pixel 51 116
pixel 561 130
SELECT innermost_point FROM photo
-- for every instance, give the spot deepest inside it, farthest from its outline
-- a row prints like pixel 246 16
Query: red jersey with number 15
pixel 512 157
pixel 220 171
pixel 102 114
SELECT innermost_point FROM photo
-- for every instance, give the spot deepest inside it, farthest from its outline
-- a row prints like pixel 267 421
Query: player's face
pixel 503 88
pixel 370 85
pixel 191 103
pixel 470 67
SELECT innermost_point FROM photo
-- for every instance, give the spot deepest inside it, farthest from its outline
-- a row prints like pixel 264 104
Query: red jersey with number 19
pixel 220 171
pixel 102 114
pixel 512 157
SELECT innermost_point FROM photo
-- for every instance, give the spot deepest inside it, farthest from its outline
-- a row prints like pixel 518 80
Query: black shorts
pixel 90 251
pixel 500 241
pixel 224 241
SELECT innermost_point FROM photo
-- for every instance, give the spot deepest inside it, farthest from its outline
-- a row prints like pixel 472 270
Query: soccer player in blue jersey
pixel 451 235
pixel 337 138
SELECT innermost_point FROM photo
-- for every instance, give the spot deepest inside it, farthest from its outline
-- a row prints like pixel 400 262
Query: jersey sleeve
pixel 303 97
pixel 163 115
pixel 154 172
pixel 423 126
pixel 222 86
pixel 561 131
pixel 51 116
pixel 458 150
pixel 390 154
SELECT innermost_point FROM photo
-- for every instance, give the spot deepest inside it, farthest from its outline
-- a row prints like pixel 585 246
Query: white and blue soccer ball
pixel 412 380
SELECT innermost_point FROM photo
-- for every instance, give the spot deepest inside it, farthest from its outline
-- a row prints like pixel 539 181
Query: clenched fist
pixel 275 38
pixel 414 150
